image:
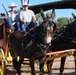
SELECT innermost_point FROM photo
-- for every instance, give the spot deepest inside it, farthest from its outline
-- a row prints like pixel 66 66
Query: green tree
pixel 39 19
pixel 19 10
pixel 62 21
pixel 38 16
pixel 49 13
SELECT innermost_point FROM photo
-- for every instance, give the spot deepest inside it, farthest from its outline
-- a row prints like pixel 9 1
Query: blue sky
pixel 59 13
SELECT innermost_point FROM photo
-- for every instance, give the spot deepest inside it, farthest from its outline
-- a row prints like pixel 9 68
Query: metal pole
pixel 60 52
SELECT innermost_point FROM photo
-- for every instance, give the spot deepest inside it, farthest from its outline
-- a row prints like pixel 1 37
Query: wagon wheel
pixel 2 64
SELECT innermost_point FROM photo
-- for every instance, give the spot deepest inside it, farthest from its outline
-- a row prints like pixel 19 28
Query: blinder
pixel 48 27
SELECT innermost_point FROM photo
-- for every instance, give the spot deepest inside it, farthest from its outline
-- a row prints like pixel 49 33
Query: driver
pixel 27 17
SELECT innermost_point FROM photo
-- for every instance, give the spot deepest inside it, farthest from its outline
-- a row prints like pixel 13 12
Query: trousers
pixel 9 24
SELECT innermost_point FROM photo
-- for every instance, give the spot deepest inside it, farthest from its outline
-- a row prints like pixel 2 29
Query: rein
pixel 60 35
pixel 36 41
pixel 23 49
pixel 42 47
pixel 74 39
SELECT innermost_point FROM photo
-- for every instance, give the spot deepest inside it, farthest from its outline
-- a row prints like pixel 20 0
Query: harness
pixel 68 37
pixel 29 44
pixel 22 44
pixel 43 47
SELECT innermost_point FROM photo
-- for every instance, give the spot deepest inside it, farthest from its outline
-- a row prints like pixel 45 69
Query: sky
pixel 59 12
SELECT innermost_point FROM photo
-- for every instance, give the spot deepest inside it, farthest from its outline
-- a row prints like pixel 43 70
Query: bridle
pixel 48 27
pixel 68 37
pixel 44 47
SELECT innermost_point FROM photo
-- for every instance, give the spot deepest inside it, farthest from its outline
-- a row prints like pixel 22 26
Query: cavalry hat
pixel 12 5
pixel 25 4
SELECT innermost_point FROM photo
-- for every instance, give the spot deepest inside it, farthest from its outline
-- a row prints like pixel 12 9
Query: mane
pixel 64 38
pixel 71 28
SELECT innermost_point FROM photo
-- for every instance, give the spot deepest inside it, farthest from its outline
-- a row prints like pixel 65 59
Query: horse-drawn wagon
pixel 4 53
pixel 2 46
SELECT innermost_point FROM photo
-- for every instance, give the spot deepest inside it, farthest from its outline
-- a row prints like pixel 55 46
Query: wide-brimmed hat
pixel 12 5
pixel 25 4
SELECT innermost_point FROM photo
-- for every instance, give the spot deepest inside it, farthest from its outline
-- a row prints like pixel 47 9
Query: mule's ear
pixel 71 19
pixel 53 14
pixel 74 16
pixel 42 14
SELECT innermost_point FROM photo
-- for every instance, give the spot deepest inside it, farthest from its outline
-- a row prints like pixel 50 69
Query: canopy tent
pixel 66 4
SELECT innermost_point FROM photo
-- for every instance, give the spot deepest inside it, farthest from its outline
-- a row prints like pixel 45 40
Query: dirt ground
pixel 25 70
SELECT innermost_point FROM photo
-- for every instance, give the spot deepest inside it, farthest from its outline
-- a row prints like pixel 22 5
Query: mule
pixel 64 39
pixel 26 45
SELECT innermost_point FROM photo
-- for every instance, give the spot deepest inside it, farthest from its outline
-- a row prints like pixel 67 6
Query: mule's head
pixel 47 29
pixel 72 27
